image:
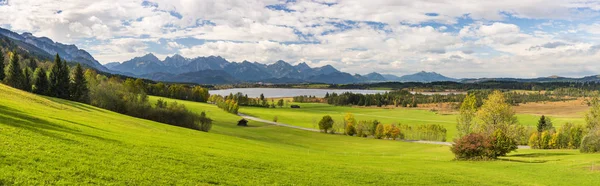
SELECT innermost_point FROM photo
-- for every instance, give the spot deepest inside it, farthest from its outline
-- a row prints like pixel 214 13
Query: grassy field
pixel 52 141
pixel 310 113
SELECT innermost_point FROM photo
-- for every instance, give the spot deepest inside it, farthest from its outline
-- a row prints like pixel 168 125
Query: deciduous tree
pixel 326 123
pixel 466 116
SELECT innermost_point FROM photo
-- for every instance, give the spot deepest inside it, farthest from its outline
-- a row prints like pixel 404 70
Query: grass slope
pixel 52 141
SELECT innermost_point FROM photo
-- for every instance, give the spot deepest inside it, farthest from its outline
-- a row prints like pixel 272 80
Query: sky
pixel 457 38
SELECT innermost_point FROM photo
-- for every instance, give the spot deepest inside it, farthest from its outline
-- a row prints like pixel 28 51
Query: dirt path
pixel 316 130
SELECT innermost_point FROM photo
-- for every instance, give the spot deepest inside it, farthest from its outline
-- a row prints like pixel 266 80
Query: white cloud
pixel 247 30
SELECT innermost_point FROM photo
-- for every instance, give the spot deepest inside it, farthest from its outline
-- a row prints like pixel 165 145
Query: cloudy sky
pixel 458 38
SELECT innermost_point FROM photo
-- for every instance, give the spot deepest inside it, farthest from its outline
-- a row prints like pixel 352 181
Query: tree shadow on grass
pixel 81 124
pixel 523 161
pixel 79 106
pixel 540 154
pixel 17 119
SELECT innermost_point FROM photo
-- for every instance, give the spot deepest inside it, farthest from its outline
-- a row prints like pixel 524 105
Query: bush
pixel 477 146
pixel 534 140
pixel 474 146
pixel 591 143
pixel 502 144
pixel 350 130
pixel 379 132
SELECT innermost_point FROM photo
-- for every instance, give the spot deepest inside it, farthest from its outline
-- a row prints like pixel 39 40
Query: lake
pixel 289 92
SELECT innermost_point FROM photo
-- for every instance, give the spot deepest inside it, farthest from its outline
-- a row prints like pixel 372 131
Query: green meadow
pixel 48 141
pixel 309 114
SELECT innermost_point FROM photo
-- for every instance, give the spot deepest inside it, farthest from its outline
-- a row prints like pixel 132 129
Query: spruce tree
pixel 40 82
pixel 27 79
pixel 79 90
pixel 1 66
pixel 14 75
pixel 59 79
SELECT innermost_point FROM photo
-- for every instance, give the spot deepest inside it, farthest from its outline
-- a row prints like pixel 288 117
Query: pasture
pixel 52 141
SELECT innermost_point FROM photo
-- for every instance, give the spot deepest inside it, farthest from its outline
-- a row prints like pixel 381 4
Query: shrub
pixel 534 140
pixel 205 122
pixel 379 132
pixel 473 146
pixel 275 119
pixel 590 143
pixel 502 144
pixel 350 130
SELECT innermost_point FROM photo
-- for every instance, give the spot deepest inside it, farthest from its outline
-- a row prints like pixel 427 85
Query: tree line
pixel 128 96
pixel 350 126
pixel 404 98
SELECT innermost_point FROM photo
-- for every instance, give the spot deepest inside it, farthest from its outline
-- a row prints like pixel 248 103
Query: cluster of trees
pixel 86 86
pixel 567 136
pixel 309 99
pixel 591 142
pixel 227 104
pixel 491 85
pixel 244 100
pixel 486 132
pixel 176 91
pixel 430 132
pixel 127 97
pixel 404 98
pixel 60 82
pixel 377 130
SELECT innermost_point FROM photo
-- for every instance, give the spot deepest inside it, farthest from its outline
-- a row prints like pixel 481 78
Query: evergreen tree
pixel 27 79
pixel 14 74
pixel 59 79
pixel 544 124
pixel 79 90
pixel 32 64
pixel 1 66
pixel 40 82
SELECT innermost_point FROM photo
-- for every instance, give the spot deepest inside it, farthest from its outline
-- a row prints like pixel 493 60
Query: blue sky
pixel 458 38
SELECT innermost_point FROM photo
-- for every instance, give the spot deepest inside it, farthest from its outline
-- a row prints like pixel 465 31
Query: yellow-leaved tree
pixel 495 113
pixel 466 116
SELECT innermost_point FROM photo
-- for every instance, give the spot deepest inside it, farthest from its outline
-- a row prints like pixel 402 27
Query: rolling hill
pixel 53 141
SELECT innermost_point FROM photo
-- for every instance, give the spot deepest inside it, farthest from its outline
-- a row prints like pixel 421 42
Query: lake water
pixel 288 92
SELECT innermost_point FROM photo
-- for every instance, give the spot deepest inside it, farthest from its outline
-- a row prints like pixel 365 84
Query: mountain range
pixel 217 70
pixel 44 46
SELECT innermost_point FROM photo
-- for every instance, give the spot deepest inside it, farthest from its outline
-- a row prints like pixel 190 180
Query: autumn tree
pixel 379 131
pixel 467 114
pixel 495 113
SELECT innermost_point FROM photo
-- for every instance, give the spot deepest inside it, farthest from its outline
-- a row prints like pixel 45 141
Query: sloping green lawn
pixel 52 141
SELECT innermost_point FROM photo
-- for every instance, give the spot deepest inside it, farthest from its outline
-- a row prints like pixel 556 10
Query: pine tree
pixel 40 82
pixel 27 79
pixel 1 66
pixel 79 90
pixel 59 79
pixel 14 74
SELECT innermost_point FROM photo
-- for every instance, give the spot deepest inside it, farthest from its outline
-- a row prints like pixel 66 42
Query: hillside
pixel 52 141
